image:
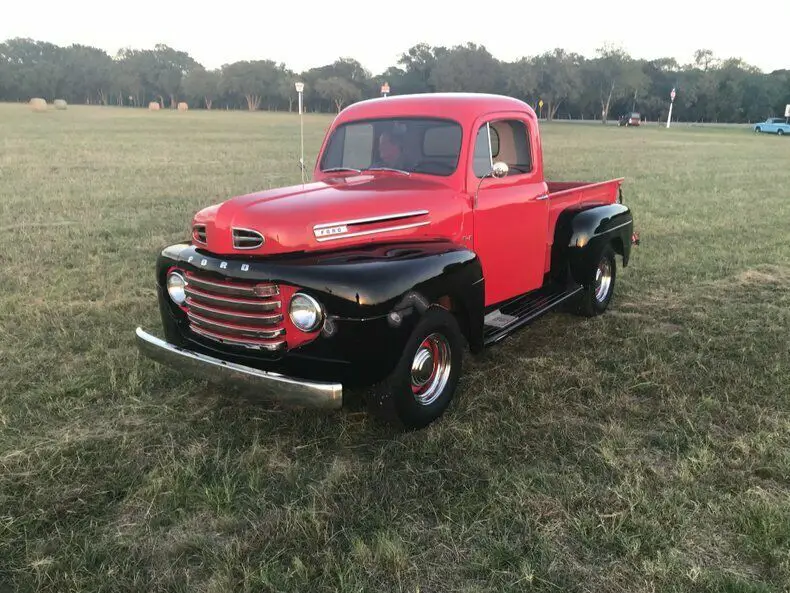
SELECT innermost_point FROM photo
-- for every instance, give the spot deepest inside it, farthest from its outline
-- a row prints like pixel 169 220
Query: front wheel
pixel 423 383
pixel 780 132
pixel 757 130
pixel 598 286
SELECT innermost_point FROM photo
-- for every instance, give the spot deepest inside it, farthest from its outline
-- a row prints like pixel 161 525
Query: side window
pixel 492 131
pixel 482 156
pixel 513 145
pixel 506 141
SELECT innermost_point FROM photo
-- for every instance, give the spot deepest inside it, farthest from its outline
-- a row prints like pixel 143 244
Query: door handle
pixel 543 197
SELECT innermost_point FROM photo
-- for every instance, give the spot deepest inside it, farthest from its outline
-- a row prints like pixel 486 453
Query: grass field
pixel 645 450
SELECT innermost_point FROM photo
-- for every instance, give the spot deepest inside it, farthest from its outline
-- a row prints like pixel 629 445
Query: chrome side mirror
pixel 499 170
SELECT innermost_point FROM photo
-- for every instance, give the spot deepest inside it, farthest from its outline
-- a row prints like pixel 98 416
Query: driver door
pixel 510 213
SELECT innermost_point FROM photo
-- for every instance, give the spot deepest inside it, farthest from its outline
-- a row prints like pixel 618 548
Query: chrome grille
pixel 239 304
pixel 246 239
pixel 237 313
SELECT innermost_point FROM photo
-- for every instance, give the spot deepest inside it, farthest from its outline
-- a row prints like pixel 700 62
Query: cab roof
pixel 462 107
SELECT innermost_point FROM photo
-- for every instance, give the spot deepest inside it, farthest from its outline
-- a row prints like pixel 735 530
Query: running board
pixel 522 310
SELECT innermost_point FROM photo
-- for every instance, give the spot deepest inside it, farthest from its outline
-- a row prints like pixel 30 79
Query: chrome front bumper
pixel 268 385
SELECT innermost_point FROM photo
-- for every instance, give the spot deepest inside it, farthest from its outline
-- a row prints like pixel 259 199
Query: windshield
pixel 409 145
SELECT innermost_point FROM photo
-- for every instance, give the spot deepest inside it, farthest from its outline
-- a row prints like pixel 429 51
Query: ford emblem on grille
pixel 246 239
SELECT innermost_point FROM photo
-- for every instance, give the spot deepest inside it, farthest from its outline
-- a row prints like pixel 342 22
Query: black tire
pixel 597 292
pixel 780 132
pixel 758 129
pixel 395 400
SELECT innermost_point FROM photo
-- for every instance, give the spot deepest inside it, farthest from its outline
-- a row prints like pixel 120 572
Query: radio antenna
pixel 300 89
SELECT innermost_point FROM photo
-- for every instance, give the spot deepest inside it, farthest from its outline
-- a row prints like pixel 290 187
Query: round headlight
pixel 176 283
pixel 305 312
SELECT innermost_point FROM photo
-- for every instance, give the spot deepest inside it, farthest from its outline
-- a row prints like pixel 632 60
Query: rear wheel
pixel 758 129
pixel 780 132
pixel 598 285
pixel 423 382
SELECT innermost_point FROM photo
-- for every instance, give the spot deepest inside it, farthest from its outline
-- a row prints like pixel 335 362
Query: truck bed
pixel 564 189
pixel 563 194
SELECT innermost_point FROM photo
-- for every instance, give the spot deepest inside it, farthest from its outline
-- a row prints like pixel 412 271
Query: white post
pixel 301 137
pixel 671 103
pixel 300 89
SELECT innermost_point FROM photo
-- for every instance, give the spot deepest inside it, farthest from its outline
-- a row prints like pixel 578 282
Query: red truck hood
pixel 330 214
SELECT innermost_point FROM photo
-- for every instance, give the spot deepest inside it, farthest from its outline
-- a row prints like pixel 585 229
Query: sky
pixel 308 34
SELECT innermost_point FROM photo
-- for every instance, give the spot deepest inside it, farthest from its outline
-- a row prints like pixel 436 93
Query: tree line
pixel 570 85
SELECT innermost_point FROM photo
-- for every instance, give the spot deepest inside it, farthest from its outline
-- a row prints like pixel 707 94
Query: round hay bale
pixel 60 104
pixel 38 104
pixel 183 106
pixel 153 106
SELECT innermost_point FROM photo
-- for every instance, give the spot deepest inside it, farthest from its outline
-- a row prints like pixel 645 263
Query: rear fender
pixel 580 234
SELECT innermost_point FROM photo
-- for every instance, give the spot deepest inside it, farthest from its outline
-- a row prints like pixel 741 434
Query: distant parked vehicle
pixel 632 119
pixel 773 125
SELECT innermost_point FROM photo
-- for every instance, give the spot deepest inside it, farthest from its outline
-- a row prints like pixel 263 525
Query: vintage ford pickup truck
pixel 428 228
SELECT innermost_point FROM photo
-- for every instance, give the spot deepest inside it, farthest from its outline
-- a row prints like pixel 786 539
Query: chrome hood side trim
pixel 331 231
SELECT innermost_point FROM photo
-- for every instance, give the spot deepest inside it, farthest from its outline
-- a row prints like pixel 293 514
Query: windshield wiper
pixel 407 173
pixel 336 169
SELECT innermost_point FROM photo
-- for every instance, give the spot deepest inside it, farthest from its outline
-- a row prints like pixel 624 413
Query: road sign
pixel 672 95
pixel 540 103
pixel 787 110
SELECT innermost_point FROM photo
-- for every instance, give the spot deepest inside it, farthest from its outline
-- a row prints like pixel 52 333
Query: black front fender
pixel 373 297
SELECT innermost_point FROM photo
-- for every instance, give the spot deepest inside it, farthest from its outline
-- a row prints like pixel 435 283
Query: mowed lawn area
pixel 644 450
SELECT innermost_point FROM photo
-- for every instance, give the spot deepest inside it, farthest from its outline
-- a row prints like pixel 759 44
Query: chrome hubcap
pixel 430 369
pixel 422 367
pixel 603 280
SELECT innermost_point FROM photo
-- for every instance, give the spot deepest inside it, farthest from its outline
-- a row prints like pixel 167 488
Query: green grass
pixel 645 450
